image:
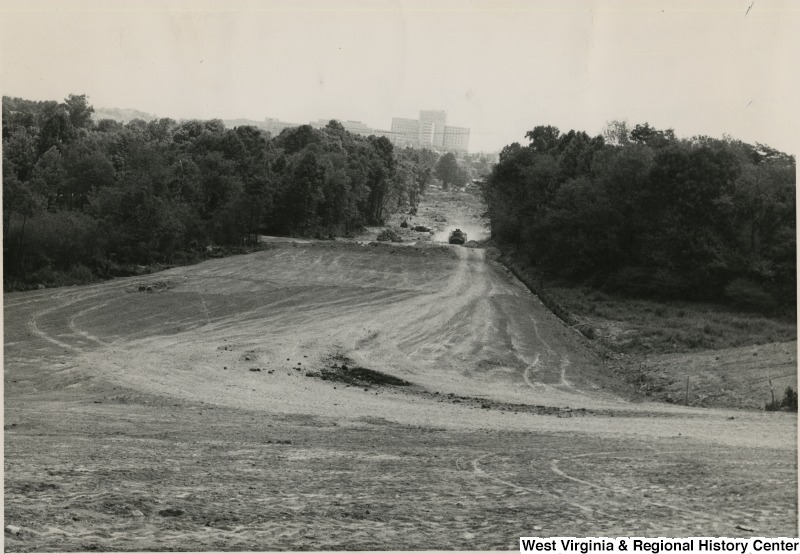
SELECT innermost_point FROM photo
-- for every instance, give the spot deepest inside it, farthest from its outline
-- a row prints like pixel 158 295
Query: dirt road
pixel 212 411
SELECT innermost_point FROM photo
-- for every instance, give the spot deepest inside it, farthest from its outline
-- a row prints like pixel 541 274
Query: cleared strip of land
pixel 345 396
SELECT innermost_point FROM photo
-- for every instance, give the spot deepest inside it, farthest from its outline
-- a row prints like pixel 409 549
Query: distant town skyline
pixel 705 67
pixel 453 138
pixel 429 130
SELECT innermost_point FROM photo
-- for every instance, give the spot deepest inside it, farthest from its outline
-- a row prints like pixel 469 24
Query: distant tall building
pixel 429 131
pixel 406 130
pixel 431 122
pixel 455 139
pixel 400 140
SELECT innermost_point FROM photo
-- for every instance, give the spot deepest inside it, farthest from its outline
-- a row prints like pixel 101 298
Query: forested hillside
pixel 643 212
pixel 92 198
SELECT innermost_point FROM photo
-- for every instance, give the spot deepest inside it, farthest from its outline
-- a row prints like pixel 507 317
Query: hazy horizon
pixel 709 67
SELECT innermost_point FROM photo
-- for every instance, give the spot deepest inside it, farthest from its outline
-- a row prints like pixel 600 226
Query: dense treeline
pixel 644 212
pixel 100 196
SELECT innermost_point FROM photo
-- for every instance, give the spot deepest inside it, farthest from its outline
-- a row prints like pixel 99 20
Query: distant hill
pixel 125 115
pixel 230 123
pixel 121 114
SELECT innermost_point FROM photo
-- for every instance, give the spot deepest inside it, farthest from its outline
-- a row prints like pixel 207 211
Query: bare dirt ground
pixel 343 396
pixel 743 377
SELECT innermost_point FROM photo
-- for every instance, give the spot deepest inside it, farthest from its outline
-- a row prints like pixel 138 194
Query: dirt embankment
pixel 678 352
pixel 194 415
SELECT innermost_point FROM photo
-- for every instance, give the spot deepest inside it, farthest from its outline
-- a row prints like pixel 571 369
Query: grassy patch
pixel 632 325
pixel 727 352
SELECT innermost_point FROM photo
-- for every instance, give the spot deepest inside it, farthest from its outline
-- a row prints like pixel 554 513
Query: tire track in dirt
pixel 64 298
pixel 541 361
pixel 459 321
pixel 34 328
pixel 33 325
pixel 624 497
pixel 73 326
pixel 428 325
pixel 205 307
pixel 554 466
pixel 564 363
pixel 483 474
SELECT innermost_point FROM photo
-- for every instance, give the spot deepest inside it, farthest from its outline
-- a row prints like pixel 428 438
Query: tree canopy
pixel 450 172
pixel 641 211
pixel 106 194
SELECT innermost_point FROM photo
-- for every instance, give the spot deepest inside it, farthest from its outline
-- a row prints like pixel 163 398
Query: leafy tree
pixel 79 110
pixel 421 164
pixel 449 172
pixel 617 133
pixel 20 151
pixel 304 191
pixel 544 138
pixel 649 136
pixel 56 129
pixel 380 181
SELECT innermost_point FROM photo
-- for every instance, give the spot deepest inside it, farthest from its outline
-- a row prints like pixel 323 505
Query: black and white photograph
pixel 398 275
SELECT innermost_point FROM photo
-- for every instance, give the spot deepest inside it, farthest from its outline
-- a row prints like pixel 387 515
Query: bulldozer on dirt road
pixel 458 237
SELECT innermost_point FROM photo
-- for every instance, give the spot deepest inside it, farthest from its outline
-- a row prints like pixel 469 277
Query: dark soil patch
pixel 358 376
pixel 153 287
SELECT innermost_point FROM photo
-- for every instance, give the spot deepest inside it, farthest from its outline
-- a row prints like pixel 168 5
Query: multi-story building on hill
pixel 430 131
pixel 401 140
pixel 456 139
pixel 431 124
pixel 407 129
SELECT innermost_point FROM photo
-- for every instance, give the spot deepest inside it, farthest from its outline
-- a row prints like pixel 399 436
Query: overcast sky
pixel 500 68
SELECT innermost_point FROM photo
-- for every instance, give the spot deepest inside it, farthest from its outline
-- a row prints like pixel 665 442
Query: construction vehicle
pixel 458 237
